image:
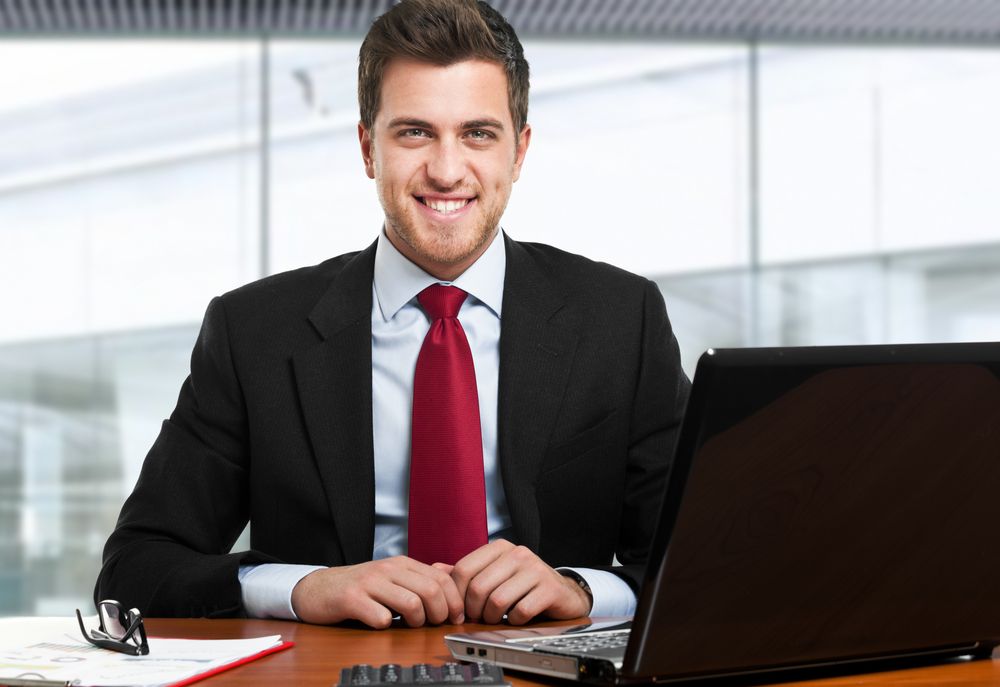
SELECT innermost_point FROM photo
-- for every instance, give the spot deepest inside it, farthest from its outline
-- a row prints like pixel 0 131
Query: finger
pixel 534 603
pixel 454 600
pixel 483 585
pixel 441 573
pixel 403 601
pixel 456 606
pixel 427 583
pixel 369 611
pixel 555 596
pixel 473 563
pixel 506 595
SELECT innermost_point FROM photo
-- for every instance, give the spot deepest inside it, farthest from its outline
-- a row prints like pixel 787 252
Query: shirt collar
pixel 398 281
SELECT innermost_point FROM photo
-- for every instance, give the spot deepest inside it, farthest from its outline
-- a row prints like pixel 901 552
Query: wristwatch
pixel 578 578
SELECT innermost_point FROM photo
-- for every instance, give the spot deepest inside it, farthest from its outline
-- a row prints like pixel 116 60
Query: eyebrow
pixel 410 121
pixel 484 123
pixel 487 123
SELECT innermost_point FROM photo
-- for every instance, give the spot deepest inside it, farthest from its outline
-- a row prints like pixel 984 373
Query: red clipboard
pixel 238 662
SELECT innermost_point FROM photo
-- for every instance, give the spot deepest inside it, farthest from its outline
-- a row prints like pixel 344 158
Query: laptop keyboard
pixel 582 644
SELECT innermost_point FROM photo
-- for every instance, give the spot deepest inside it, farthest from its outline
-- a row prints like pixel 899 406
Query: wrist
pixel 576 582
pixel 301 596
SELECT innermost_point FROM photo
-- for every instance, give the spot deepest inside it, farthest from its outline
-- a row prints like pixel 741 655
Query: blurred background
pixel 787 173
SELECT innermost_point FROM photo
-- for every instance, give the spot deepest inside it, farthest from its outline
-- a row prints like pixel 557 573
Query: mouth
pixel 445 206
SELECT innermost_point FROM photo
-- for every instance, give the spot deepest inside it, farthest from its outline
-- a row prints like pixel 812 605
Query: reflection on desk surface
pixel 321 652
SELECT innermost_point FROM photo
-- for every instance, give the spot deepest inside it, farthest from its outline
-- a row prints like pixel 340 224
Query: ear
pixel 366 150
pixel 523 139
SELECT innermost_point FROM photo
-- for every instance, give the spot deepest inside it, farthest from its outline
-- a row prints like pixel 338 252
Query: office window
pixel 645 143
pixel 876 150
pixel 322 204
pixel 128 197
pixel 638 156
pixel 131 192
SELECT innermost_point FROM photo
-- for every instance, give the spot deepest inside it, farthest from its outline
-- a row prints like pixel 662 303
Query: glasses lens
pixel 114 618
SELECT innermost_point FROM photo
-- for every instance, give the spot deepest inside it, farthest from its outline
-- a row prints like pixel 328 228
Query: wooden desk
pixel 320 653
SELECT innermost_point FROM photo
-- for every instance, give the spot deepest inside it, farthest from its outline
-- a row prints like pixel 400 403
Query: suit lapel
pixel 334 382
pixel 536 355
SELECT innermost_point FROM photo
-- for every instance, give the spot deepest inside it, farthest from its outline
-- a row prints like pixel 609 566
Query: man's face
pixel 443 153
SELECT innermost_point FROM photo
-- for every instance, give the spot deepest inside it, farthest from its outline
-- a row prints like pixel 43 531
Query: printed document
pixel 52 649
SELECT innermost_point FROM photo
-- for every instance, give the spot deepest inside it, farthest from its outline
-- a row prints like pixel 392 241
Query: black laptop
pixel 831 506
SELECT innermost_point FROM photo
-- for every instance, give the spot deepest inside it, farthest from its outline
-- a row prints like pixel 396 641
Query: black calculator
pixel 423 675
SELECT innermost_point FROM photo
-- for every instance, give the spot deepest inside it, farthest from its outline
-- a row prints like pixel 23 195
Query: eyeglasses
pixel 120 630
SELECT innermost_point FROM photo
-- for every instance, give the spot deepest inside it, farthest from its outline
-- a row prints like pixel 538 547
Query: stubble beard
pixel 443 245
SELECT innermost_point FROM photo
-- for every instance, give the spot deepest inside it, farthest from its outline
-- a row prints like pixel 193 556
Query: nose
pixel 447 164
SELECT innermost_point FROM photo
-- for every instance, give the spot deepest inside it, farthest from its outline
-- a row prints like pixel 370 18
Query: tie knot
pixel 440 301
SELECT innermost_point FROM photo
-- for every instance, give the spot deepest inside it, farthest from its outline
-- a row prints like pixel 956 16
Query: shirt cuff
pixel 267 588
pixel 612 595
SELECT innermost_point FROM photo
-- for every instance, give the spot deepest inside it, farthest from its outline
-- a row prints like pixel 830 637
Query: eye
pixel 412 133
pixel 480 135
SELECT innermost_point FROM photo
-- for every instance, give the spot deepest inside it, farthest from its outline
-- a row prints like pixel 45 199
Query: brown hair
pixel 441 32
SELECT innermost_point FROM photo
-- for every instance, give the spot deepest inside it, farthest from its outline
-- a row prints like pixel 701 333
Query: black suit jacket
pixel 274 425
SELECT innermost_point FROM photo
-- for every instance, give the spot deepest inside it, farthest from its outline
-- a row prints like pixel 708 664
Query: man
pixel 354 418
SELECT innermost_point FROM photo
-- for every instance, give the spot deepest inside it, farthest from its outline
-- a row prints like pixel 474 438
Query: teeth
pixel 446 206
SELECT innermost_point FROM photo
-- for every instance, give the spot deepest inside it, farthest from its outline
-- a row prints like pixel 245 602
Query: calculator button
pixel 360 674
pixel 422 673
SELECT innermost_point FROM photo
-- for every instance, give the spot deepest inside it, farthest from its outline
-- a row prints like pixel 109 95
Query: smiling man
pixel 448 154
pixel 449 425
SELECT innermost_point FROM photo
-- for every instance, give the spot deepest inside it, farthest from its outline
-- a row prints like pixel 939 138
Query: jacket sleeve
pixel 169 554
pixel 661 393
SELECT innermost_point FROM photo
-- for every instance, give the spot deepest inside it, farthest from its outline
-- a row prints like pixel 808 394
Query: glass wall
pixel 129 195
pixel 140 178
pixel 875 218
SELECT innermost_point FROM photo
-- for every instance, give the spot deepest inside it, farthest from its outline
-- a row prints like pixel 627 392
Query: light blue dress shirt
pixel 399 326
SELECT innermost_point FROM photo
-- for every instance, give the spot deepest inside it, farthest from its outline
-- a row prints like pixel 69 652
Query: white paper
pixel 52 649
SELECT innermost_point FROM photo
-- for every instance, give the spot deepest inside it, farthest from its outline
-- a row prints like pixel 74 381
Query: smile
pixel 445 206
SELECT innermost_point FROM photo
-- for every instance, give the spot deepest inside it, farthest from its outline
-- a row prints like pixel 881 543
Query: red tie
pixel 447 488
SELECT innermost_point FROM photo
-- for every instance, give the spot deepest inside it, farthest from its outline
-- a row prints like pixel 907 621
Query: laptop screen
pixel 827 504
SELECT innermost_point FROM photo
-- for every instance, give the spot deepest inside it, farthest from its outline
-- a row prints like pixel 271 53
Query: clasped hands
pixel 494 580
